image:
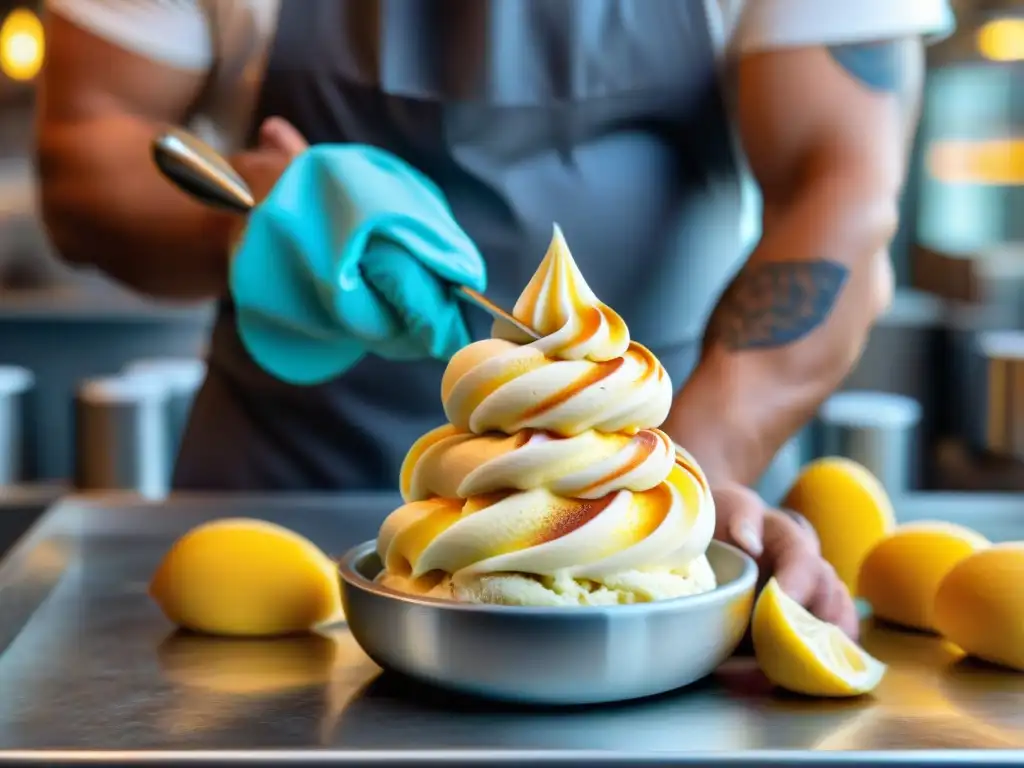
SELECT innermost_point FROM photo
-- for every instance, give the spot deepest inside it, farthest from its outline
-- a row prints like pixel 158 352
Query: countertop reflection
pixel 95 667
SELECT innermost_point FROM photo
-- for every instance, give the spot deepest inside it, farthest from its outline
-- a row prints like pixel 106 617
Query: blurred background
pixel 937 402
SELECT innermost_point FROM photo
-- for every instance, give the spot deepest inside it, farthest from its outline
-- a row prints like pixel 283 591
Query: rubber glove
pixel 353 251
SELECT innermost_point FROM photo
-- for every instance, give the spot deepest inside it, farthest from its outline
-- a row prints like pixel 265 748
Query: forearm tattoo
pixel 771 304
pixel 775 303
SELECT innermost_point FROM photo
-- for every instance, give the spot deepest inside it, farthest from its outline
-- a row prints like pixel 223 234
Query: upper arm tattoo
pixel 886 66
pixel 775 303
pixel 876 65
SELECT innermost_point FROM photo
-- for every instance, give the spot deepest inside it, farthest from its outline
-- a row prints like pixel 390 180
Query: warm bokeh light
pixel 996 162
pixel 1002 40
pixel 22 45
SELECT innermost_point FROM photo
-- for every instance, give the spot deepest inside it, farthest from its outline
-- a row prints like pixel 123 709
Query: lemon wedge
pixel 803 654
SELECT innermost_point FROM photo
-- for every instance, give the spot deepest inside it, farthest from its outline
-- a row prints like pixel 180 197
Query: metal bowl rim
pixel 746 580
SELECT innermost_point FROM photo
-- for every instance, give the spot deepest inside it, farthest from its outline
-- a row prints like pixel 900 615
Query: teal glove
pixel 353 251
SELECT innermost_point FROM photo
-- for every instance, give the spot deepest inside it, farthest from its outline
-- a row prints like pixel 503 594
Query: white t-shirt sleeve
pixel 768 24
pixel 173 32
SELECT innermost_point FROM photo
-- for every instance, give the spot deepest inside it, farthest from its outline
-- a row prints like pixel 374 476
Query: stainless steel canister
pixel 15 384
pixel 121 436
pixel 181 378
pixel 877 430
pixel 1002 354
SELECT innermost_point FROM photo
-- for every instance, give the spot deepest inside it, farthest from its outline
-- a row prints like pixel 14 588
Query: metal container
pixel 580 655
pixel 1002 353
pixel 181 379
pixel 877 430
pixel 963 375
pixel 121 436
pixel 15 384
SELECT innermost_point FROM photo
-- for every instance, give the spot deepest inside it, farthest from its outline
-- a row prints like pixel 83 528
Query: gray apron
pixel 603 115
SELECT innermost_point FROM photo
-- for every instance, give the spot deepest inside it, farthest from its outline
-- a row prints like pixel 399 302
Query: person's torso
pixel 605 116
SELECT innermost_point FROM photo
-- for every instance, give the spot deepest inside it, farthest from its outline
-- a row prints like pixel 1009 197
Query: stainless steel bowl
pixel 584 655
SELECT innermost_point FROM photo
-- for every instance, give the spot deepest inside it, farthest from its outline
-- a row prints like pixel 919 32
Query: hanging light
pixel 22 45
pixel 1002 39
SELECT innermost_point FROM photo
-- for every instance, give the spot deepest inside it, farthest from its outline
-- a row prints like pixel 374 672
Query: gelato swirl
pixel 552 484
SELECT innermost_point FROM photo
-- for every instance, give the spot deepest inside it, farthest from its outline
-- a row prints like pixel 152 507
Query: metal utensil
pixel 550 655
pixel 200 171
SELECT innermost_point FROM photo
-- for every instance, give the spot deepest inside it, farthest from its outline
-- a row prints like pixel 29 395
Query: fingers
pixel 418 299
pixel 832 603
pixel 790 556
pixel 794 557
pixel 276 133
pixel 786 547
pixel 805 524
pixel 740 518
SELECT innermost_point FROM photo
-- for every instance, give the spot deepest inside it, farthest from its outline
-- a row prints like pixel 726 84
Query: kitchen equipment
pixel 961 379
pixel 181 378
pixel 1002 354
pixel 15 384
pixel 582 655
pixel 200 171
pixel 971 178
pixel 878 431
pixel 122 436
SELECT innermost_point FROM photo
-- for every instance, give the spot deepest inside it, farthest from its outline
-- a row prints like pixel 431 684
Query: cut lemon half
pixel 803 654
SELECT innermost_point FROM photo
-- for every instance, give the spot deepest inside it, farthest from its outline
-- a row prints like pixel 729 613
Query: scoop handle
pixel 199 170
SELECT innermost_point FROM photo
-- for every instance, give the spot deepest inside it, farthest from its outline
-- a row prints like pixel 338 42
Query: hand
pixel 279 144
pixel 418 299
pixel 260 168
pixel 308 319
pixel 787 549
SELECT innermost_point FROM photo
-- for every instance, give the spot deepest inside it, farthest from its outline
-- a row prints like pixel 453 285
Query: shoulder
pixel 188 34
pixel 753 25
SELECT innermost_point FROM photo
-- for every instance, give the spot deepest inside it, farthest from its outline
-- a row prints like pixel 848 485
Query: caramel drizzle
pixel 557 276
pixel 590 324
pixel 564 521
pixel 646 441
pixel 650 362
pixel 599 372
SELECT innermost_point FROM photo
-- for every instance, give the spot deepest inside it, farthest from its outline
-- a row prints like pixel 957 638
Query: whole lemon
pixel 849 509
pixel 901 575
pixel 247 578
pixel 980 605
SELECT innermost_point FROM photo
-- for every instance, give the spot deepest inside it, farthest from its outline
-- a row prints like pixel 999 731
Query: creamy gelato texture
pixel 552 484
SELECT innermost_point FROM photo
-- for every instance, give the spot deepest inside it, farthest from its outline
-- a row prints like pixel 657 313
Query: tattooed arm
pixel 827 131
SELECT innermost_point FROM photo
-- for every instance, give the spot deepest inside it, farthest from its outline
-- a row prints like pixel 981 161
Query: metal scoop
pixel 200 171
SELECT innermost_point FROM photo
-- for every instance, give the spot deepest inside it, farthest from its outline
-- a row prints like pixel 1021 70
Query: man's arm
pixel 103 201
pixel 827 130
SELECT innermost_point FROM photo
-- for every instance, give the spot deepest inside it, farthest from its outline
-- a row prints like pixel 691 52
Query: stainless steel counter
pixel 21 506
pixel 89 670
